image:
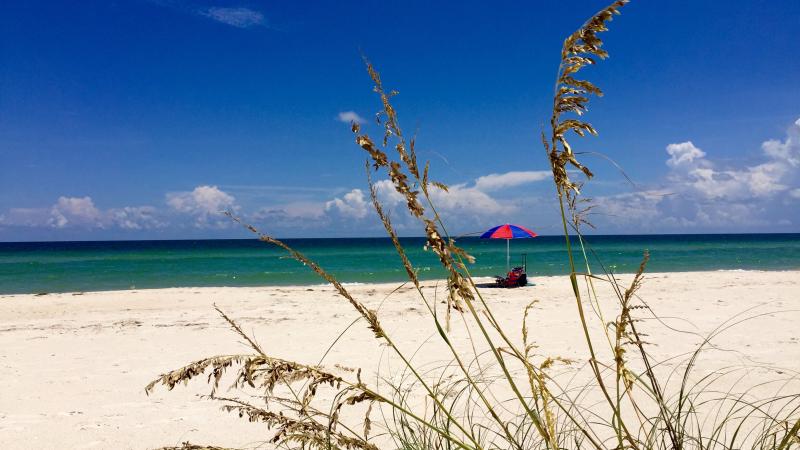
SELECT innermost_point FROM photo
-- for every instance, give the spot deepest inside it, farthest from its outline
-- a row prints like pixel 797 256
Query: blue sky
pixel 142 119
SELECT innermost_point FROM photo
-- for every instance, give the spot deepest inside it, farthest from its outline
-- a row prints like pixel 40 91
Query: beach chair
pixel 516 277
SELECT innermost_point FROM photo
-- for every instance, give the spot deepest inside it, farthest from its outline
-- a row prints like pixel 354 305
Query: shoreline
pixel 74 367
pixel 478 279
pixel 100 266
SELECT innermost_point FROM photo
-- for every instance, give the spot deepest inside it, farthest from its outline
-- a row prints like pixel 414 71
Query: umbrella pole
pixel 508 255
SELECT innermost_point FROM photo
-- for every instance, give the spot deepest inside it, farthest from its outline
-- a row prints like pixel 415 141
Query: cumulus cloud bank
pixel 700 192
pixel 470 204
pixel 696 194
pixel 81 212
pixel 204 206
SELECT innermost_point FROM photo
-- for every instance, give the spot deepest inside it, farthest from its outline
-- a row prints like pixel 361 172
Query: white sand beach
pixel 73 366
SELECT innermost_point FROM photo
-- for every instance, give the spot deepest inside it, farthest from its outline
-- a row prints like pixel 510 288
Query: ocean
pixel 37 267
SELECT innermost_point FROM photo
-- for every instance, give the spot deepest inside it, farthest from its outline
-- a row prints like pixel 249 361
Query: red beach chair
pixel 517 277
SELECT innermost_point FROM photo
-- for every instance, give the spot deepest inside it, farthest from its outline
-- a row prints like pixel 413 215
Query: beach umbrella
pixel 508 232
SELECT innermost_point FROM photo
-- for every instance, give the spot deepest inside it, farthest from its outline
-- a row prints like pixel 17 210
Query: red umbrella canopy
pixel 508 231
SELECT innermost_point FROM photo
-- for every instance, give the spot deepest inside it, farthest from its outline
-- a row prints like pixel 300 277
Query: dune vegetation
pixel 506 392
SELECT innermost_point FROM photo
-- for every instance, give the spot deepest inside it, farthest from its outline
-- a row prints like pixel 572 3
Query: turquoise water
pixel 33 267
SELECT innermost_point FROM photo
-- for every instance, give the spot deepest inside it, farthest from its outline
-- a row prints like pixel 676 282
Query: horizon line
pixel 471 235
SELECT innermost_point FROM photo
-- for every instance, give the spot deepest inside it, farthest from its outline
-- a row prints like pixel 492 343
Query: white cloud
pixel 707 195
pixel 136 218
pixel 659 211
pixel 460 201
pixel 633 208
pixel 733 215
pixel 787 151
pixel 202 200
pixel 237 17
pixel 75 211
pixel 305 210
pixel 497 181
pixel 81 212
pixel 767 179
pixel 387 194
pixel 692 170
pixel 710 183
pixel 683 153
pixel 292 215
pixel 350 116
pixel 697 193
pixel 485 198
pixel 352 205
pixel 206 203
pixel 26 217
pixel 462 204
